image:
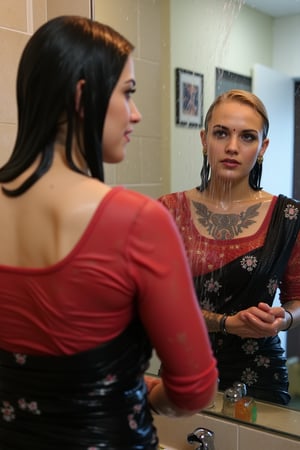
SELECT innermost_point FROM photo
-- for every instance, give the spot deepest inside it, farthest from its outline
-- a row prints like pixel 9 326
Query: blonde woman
pixel 243 245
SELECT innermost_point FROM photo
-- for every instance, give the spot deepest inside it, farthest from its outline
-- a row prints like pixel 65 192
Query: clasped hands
pixel 257 321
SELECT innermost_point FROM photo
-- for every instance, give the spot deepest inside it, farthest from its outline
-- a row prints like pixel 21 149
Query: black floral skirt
pixel 92 400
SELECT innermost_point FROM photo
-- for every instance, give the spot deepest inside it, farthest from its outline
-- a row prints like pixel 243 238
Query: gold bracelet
pixel 291 321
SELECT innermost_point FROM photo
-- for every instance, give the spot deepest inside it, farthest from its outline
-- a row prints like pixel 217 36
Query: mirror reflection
pixel 241 243
pixel 201 36
pixel 230 48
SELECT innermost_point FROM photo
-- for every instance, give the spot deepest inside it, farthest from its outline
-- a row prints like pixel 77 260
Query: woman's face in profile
pixel 121 115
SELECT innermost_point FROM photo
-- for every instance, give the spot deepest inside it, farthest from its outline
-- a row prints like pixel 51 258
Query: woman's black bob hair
pixel 61 52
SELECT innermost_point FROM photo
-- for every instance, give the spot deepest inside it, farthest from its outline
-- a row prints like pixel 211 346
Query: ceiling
pixel 275 8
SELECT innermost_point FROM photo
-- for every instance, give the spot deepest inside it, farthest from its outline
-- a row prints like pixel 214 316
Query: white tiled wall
pixel 250 439
pixel 270 432
pixel 142 169
pixel 18 20
pixel 227 435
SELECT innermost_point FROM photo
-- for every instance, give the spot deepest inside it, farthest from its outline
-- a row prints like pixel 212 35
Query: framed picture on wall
pixel 189 98
pixel 226 80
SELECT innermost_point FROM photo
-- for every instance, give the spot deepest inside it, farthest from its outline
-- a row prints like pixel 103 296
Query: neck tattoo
pixel 225 226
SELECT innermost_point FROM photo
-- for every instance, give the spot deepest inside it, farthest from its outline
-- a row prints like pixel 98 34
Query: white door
pixel 276 90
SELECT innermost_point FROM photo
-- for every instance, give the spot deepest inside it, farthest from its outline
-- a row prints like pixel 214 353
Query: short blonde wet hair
pixel 244 97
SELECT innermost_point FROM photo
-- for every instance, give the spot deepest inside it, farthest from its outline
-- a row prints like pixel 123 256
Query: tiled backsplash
pixel 227 435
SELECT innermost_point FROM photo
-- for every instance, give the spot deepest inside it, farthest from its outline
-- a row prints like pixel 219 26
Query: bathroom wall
pixel 286 43
pixel 18 20
pixel 146 166
pixel 233 435
pixel 136 19
pixel 227 435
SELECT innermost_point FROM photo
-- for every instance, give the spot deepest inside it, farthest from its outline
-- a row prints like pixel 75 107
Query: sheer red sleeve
pixel 169 309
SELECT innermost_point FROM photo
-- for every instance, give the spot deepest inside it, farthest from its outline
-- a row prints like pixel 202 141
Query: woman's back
pixel 42 225
pixel 66 261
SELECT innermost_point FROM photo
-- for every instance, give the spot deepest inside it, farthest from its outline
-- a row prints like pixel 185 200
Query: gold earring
pixel 260 159
pixel 204 150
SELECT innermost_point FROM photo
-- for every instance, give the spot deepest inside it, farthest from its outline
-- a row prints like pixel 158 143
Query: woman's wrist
pixel 223 328
pixel 160 404
pixel 212 320
pixel 289 320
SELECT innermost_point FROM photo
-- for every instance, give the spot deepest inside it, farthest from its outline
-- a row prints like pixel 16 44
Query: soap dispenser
pixel 245 407
pixel 230 398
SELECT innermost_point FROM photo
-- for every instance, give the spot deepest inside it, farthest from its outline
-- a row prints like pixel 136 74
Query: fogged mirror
pixel 201 36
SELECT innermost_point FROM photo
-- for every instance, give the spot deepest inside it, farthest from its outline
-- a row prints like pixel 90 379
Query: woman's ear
pixel 203 137
pixel 78 96
pixel 264 147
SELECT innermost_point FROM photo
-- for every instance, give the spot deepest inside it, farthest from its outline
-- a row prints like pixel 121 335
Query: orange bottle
pixel 245 406
pixel 245 409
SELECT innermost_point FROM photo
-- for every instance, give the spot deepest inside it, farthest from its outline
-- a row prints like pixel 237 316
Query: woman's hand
pixel 159 401
pixel 257 321
pixel 151 382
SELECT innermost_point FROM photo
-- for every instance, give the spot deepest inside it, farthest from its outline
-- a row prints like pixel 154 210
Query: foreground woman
pixel 90 277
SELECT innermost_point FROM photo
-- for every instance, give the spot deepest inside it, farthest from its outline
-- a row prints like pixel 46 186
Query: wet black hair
pixel 61 52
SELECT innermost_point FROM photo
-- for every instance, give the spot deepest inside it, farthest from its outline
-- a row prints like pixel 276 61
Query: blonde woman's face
pixel 234 140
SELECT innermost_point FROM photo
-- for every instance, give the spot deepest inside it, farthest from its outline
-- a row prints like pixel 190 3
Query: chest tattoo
pixel 225 226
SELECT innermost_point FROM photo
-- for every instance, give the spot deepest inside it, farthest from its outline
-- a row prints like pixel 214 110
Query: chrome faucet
pixel 203 438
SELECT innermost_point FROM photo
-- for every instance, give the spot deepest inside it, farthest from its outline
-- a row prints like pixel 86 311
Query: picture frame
pixel 226 80
pixel 189 98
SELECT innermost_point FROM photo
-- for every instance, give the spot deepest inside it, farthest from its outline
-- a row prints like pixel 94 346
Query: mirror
pixel 199 36
pixel 194 35
pixel 227 34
